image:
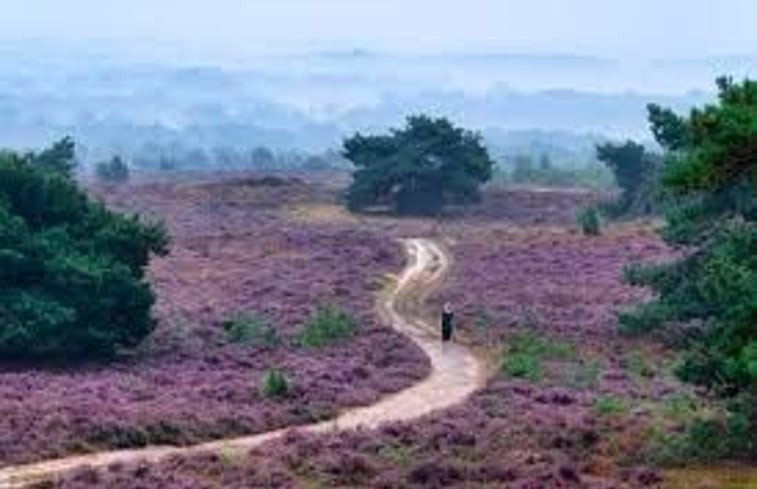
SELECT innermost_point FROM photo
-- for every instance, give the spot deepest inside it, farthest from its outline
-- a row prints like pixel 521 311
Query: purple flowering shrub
pixel 190 382
pixel 569 428
pixel 552 280
pixel 509 435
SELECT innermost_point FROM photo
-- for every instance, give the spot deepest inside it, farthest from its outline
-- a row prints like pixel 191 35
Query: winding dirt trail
pixel 456 373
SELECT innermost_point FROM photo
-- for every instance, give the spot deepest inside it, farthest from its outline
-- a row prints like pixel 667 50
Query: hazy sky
pixel 624 28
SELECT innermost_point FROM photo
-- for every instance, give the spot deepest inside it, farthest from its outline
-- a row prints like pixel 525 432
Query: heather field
pixel 233 252
pixel 569 403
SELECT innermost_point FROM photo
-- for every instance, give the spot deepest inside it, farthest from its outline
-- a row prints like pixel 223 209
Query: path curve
pixel 455 374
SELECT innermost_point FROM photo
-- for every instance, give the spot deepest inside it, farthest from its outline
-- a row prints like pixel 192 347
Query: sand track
pixel 455 374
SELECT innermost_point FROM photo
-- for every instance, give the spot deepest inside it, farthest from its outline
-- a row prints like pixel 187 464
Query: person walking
pixel 447 326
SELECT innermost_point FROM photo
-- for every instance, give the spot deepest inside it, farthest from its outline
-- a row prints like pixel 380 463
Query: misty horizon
pixel 303 75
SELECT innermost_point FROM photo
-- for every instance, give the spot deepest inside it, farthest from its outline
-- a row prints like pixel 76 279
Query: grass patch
pixel 249 328
pixel 525 353
pixel 609 405
pixel 326 326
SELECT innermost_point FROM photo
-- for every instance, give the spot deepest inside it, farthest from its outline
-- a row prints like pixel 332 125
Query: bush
pixel 588 221
pixel 710 436
pixel 525 353
pixel 250 329
pixel 328 325
pixel 636 363
pixel 276 384
pixel 608 405
pixel 524 366
pixel 71 271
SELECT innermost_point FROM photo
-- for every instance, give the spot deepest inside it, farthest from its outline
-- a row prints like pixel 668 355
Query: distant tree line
pixel 524 169
pixel 155 157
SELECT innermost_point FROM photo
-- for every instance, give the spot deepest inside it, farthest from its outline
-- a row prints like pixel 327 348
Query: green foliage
pixel 710 436
pixel 710 295
pixel 680 407
pixel 59 158
pixel 250 329
pixel 522 170
pixel 417 169
pixel 541 346
pixel 589 222
pixel 609 405
pixel 636 172
pixel 113 171
pixel 326 326
pixel 637 364
pixel 525 353
pixel 523 365
pixel 276 384
pixel 71 271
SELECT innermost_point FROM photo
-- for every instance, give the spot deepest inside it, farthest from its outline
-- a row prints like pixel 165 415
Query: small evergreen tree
pixel 589 222
pixel 636 173
pixel 276 384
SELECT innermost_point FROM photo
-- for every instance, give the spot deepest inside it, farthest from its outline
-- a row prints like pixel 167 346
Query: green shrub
pixel 707 439
pixel 250 329
pixel 326 326
pixel 525 353
pixel 541 346
pixel 113 171
pixel 523 365
pixel 71 271
pixel 589 222
pixel 680 407
pixel 607 405
pixel 639 367
pixel 276 384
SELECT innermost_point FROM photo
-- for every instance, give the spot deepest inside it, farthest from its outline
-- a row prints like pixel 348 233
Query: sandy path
pixel 456 373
